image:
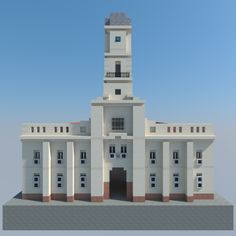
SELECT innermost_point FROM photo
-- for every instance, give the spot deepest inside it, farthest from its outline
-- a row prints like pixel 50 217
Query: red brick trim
pixel 189 198
pixel 96 198
pixel 32 196
pixel 178 196
pixel 129 191
pixel 70 198
pixel 59 196
pixel 138 198
pixel 46 198
pixel 106 190
pixel 153 196
pixel 83 196
pixel 165 198
pixel 203 196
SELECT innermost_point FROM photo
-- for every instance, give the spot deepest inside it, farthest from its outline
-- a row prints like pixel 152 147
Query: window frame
pixel 176 157
pixel 83 157
pixel 118 124
pixel 117 91
pixel 36 182
pixel 60 157
pixel 59 182
pixel 36 157
pixel 152 182
pixel 117 39
pixel 83 182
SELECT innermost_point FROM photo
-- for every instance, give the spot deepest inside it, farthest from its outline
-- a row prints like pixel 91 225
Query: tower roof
pixel 118 18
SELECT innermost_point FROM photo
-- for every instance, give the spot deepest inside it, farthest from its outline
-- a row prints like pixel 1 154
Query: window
pixel 153 157
pixel 168 129
pixel 117 39
pixel 59 180
pixel 117 91
pixel 117 124
pixel 199 180
pixel 82 157
pixel 59 157
pixel 82 180
pixel 44 129
pixel 174 129
pixel 192 129
pixel 67 129
pixel 55 129
pixel 61 129
pixel 152 129
pixel 199 157
pixel 153 180
pixel 203 129
pixel 112 151
pixel 198 129
pixel 123 151
pixel 117 69
pixel 38 129
pixel 32 129
pixel 176 157
pixel 82 129
pixel 180 129
pixel 36 157
pixel 36 180
pixel 176 180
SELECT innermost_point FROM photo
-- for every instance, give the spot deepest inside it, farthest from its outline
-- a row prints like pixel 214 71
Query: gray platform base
pixel 117 215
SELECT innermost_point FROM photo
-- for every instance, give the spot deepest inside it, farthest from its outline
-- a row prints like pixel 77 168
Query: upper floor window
pixel 152 129
pixel 153 180
pixel 117 124
pixel 59 157
pixel 123 151
pixel 117 39
pixel 61 129
pixel 168 129
pixel 32 129
pixel 180 129
pixel 203 129
pixel 199 157
pixel 67 129
pixel 192 129
pixel 82 157
pixel 44 129
pixel 174 129
pixel 176 157
pixel 117 91
pixel 36 179
pixel 55 129
pixel 198 129
pixel 38 129
pixel 112 151
pixel 36 157
pixel 153 157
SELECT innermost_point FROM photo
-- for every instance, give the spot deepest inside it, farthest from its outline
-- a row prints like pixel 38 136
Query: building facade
pixel 118 153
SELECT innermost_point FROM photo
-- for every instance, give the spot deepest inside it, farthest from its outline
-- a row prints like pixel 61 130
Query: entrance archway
pixel 118 184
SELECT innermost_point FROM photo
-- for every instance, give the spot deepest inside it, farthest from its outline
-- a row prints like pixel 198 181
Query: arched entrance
pixel 118 183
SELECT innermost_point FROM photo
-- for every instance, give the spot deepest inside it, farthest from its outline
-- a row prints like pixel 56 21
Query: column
pixel 97 154
pixel 46 180
pixel 189 172
pixel 138 154
pixel 165 171
pixel 70 171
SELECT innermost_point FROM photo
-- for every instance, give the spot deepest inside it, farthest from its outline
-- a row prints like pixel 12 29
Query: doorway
pixel 118 184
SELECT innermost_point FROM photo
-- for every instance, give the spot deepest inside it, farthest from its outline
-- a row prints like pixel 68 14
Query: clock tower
pixel 117 57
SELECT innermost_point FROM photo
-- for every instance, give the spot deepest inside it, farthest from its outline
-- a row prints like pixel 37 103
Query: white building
pixel 118 153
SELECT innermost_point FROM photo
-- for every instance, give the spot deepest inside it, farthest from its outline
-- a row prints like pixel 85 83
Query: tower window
pixel 117 39
pixel 199 157
pixel 153 180
pixel 176 180
pixel 117 124
pixel 117 91
pixel 117 69
pixel 36 157
pixel 59 180
pixel 82 180
pixel 59 157
pixel 199 180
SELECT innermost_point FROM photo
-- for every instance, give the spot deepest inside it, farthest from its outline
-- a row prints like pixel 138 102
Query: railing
pixel 117 74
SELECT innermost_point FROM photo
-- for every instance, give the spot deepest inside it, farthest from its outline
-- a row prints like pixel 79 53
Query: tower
pixel 117 57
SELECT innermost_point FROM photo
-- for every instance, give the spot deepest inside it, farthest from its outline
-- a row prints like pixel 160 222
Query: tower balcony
pixel 117 74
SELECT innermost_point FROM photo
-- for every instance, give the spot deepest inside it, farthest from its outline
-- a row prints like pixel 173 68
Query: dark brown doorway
pixel 118 184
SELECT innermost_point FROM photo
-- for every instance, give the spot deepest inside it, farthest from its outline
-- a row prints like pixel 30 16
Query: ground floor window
pixel 82 180
pixel 59 180
pixel 36 180
pixel 153 157
pixel 153 180
pixel 199 180
pixel 176 180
